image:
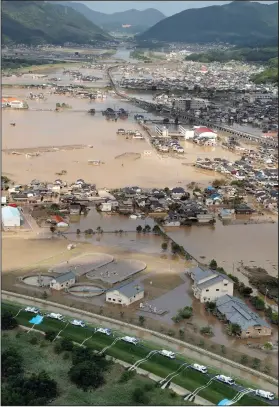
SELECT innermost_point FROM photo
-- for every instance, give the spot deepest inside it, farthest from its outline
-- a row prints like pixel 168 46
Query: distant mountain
pixel 234 23
pixel 38 22
pixel 141 20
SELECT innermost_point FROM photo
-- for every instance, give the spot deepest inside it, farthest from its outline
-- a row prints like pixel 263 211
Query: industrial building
pixel 126 294
pixel 11 217
pixel 237 312
pixel 65 280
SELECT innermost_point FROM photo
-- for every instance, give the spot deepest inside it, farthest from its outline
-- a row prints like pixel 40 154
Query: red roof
pixel 58 218
pixel 203 130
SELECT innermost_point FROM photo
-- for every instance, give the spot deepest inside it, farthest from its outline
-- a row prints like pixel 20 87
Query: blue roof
pixel 210 188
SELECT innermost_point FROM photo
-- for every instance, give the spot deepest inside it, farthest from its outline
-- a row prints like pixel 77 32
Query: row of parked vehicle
pixel 134 341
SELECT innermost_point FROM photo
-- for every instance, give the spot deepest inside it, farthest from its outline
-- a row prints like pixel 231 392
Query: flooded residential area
pixel 88 182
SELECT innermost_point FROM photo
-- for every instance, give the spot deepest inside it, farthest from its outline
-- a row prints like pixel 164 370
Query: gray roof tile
pixel 237 312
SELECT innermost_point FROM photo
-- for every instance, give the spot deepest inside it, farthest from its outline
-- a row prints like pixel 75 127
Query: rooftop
pixel 237 312
pixel 129 290
pixel 65 277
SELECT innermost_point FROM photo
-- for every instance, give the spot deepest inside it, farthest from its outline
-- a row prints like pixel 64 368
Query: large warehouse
pixel 11 217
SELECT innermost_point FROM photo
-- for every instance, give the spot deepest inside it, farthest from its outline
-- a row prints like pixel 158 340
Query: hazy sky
pixel 166 7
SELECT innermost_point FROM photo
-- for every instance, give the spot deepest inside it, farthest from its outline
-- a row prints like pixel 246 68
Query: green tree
pixel 258 303
pixel 11 363
pixel 139 229
pixel 206 330
pixel 78 232
pixel 244 360
pixel 87 375
pixel 164 246
pixel 139 396
pixel 44 295
pixel 8 321
pixel 141 320
pixel 213 264
pixel 50 335
pixel 67 344
pixel 156 230
pixel 256 363
pixel 234 329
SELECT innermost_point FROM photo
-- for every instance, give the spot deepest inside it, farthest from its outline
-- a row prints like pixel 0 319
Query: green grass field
pixel 159 365
pixel 42 357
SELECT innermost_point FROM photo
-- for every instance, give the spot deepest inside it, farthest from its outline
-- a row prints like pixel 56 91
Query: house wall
pixel 12 221
pixel 57 286
pixel 211 294
pixel 256 332
pixel 118 298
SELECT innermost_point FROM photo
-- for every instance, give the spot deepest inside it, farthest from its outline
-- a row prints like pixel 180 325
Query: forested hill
pixel 232 23
pixel 38 22
pixel 138 20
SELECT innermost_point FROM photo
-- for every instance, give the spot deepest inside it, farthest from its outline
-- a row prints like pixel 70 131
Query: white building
pixel 11 217
pixel 126 294
pixel 209 284
pixel 63 281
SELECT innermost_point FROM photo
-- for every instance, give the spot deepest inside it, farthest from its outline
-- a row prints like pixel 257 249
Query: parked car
pixel 200 368
pixel 52 315
pixel 225 379
pixel 77 322
pixel 265 394
pixel 105 331
pixel 167 353
pixel 33 310
pixel 130 339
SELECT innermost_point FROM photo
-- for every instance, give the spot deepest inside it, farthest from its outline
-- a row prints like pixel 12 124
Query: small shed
pixel 63 281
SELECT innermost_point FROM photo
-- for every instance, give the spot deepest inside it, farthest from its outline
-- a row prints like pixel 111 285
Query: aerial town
pixel 139 203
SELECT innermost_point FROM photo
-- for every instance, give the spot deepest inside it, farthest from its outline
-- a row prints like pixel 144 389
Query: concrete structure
pixel 11 217
pixel 188 134
pixel 210 285
pixel 161 131
pixel 237 312
pixel 126 294
pixel 182 104
pixel 63 281
pixel 197 103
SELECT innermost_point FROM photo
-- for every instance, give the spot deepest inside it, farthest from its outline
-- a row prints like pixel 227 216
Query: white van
pixel 200 368
pixel 225 379
pixel 265 394
pixel 130 339
pixel 105 331
pixel 52 315
pixel 167 353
